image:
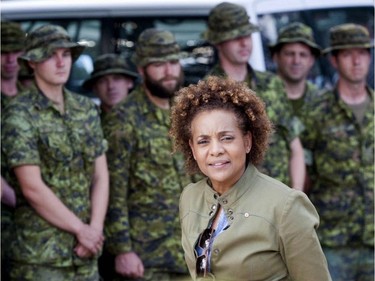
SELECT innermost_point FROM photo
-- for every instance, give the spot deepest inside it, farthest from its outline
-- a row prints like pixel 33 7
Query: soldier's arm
pixel 50 207
pixel 120 145
pixel 297 168
pixel 99 193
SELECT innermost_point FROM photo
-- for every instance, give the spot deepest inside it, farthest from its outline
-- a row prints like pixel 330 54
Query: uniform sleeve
pixel 300 246
pixel 119 150
pixel 19 143
pixel 95 128
pixel 279 109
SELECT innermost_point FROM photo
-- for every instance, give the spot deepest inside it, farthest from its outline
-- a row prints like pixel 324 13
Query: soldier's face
pixel 294 61
pixel 9 65
pixel 54 70
pixel 163 79
pixel 112 89
pixel 236 51
pixel 352 64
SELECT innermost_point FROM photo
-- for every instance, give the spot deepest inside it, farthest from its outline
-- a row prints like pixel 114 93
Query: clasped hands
pixel 90 241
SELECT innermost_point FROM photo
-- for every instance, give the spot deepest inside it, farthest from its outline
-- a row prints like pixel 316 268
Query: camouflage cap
pixel 12 37
pixel 109 64
pixel 349 35
pixel 41 43
pixel 155 45
pixel 228 21
pixel 296 32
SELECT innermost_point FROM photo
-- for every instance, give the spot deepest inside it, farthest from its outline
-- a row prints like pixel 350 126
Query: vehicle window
pixel 320 20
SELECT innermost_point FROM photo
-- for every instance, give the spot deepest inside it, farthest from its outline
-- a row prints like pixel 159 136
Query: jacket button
pixel 246 215
pixel 213 207
pixel 216 251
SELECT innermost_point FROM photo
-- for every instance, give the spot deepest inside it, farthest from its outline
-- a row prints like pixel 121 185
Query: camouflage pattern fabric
pixel 343 151
pixel 41 42
pixel 12 37
pixel 348 35
pixel 146 180
pixel 23 272
pixel 228 21
pixel 155 45
pixel 350 263
pixel 287 127
pixel 300 107
pixel 296 32
pixel 109 64
pixel 5 100
pixel 6 211
pixel 65 148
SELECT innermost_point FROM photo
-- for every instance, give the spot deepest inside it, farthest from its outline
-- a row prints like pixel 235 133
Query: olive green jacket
pixel 271 234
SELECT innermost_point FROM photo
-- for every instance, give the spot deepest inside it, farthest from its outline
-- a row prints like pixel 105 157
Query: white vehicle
pixel 114 25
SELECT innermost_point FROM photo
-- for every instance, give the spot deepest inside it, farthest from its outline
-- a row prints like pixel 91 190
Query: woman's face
pixel 219 147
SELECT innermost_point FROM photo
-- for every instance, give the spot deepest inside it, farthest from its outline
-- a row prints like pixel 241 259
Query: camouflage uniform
pixel 229 21
pixel 65 147
pixel 12 40
pixel 343 154
pixel 297 32
pixel 146 179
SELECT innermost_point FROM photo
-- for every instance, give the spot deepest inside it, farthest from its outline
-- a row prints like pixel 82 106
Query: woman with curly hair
pixel 237 223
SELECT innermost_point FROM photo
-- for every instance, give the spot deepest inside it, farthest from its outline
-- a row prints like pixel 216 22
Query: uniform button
pixel 213 207
pixel 231 218
pixel 230 212
pixel 246 215
pixel 215 196
pixel 210 213
pixel 216 251
pixel 225 201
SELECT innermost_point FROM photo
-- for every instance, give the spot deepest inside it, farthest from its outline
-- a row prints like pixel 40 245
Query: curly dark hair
pixel 224 94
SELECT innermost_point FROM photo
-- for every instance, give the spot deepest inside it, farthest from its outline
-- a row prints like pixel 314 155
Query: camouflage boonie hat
pixel 12 37
pixel 228 21
pixel 109 64
pixel 347 36
pixel 41 42
pixel 296 32
pixel 155 45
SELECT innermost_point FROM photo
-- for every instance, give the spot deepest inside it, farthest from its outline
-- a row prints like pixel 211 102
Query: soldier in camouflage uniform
pixel 294 53
pixel 340 134
pixel 12 44
pixel 229 30
pixel 142 225
pixel 53 142
pixel 111 80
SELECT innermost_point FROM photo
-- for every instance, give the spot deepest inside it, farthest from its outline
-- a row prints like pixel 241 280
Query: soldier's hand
pixel 91 238
pixel 83 252
pixel 129 265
